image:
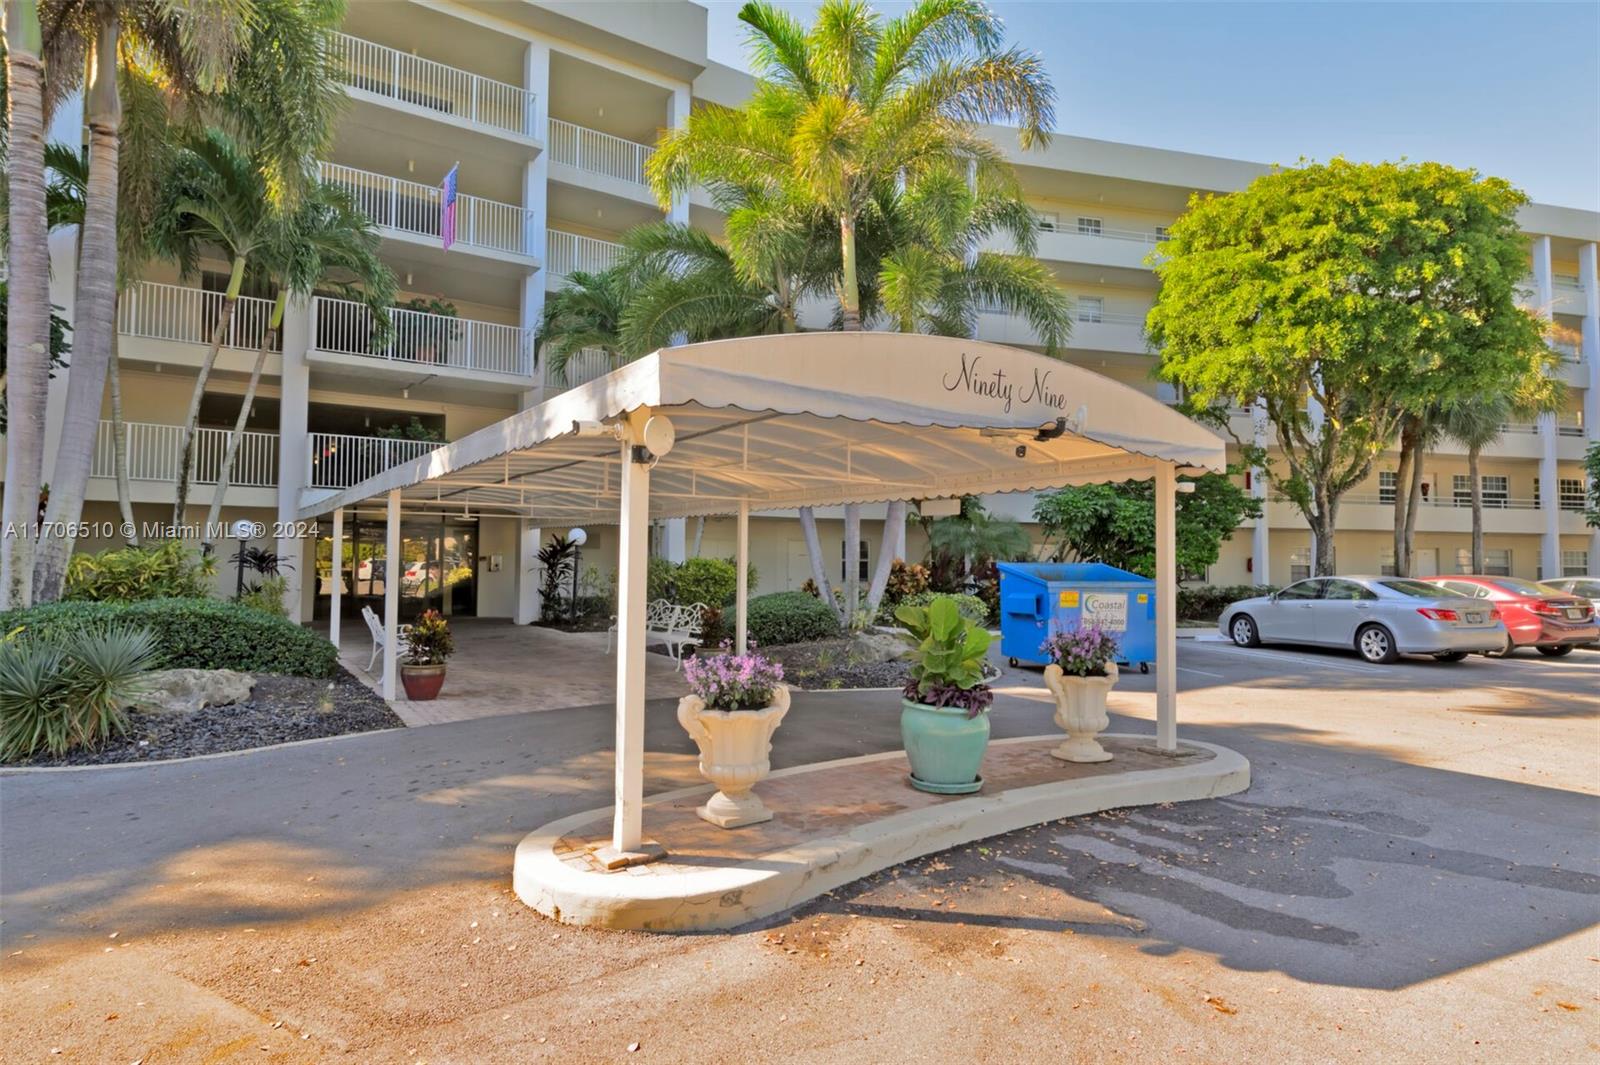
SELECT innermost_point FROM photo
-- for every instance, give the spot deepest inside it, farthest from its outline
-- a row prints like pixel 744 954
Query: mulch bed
pixel 280 709
pixel 834 664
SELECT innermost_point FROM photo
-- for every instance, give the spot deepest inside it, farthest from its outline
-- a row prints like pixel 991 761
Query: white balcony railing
pixel 1446 502
pixel 344 327
pixel 566 252
pixel 154 452
pixel 434 87
pixel 412 207
pixel 339 461
pixel 598 153
pixel 1566 425
pixel 190 315
pixel 1087 317
pixel 1138 236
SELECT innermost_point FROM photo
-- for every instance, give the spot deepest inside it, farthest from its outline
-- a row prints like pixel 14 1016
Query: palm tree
pixel 273 58
pixel 217 198
pixel 585 315
pixel 853 107
pixel 327 240
pixel 27 297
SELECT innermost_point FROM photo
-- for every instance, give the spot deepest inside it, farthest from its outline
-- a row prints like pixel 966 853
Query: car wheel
pixel 1505 651
pixel 1556 652
pixel 1376 645
pixel 1243 631
pixel 1451 656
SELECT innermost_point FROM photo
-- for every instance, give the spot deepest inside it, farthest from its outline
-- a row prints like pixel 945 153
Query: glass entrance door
pixel 437 568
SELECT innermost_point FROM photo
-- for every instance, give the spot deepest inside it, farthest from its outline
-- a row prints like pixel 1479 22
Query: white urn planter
pixel 1081 712
pixel 734 745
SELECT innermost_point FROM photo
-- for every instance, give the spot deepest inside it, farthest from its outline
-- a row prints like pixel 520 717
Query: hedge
pixel 193 633
pixel 790 617
pixel 1206 603
pixel 970 607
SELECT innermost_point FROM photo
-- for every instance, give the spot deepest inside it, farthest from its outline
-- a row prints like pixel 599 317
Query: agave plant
pixel 58 697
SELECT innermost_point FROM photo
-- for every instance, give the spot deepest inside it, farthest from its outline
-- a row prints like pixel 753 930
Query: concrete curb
pixel 156 763
pixel 712 898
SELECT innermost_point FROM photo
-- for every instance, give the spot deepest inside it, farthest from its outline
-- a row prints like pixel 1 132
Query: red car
pixel 1534 615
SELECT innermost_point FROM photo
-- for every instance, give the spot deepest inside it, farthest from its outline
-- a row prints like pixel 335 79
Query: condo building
pixel 550 111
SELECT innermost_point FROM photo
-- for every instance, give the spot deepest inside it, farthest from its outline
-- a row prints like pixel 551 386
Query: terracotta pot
pixel 734 745
pixel 1081 712
pixel 422 682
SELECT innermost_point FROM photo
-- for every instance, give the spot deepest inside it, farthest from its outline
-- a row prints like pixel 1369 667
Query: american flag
pixel 447 197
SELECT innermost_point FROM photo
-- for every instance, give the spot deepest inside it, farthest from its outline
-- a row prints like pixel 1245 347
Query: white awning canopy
pixel 807 419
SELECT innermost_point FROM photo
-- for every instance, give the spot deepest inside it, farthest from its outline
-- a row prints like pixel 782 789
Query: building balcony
pixel 154 458
pixel 174 324
pixel 567 252
pixel 1370 512
pixel 337 460
pixel 413 212
pixel 342 334
pixel 599 161
pixel 1125 248
pixel 396 80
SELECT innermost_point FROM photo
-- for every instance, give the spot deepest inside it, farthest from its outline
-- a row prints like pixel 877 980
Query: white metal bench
pixel 375 626
pixel 667 622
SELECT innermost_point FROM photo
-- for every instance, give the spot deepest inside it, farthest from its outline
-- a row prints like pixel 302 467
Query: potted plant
pixel 1080 675
pixel 735 703
pixel 944 720
pixel 428 645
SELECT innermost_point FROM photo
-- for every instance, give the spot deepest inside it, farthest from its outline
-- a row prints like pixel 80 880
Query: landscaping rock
pixel 872 648
pixel 183 691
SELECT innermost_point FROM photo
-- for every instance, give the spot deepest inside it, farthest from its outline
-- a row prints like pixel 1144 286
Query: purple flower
pixel 728 681
pixel 1083 651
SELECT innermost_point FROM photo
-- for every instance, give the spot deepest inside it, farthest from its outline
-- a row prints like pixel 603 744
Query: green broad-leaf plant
pixel 951 652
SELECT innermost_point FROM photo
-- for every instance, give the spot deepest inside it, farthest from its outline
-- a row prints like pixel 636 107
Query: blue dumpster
pixel 1040 599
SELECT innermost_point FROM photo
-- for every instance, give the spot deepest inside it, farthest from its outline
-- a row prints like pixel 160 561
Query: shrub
pixel 429 643
pixel 905 579
pixel 192 633
pixel 267 597
pixel 1206 603
pixel 159 571
pixel 711 581
pixel 66 693
pixel 970 607
pixel 790 617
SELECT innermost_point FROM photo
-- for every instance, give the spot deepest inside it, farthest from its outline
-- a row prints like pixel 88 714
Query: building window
pixel 1461 489
pixel 1300 564
pixel 1574 563
pixel 1497 493
pixel 1386 562
pixel 1496 561
pixel 1569 493
pixel 1163 232
pixel 1091 309
pixel 1048 221
pixel 1386 482
pixel 864 574
pixel 1089 226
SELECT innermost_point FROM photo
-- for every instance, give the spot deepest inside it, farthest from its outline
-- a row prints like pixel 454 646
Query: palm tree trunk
pixel 94 316
pixel 234 438
pixel 1413 508
pixel 852 562
pixel 28 309
pixel 1402 500
pixel 893 520
pixel 119 447
pixel 1477 509
pixel 849 285
pixel 819 571
pixel 186 456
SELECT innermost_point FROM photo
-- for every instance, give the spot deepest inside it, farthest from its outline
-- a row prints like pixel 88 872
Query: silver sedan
pixel 1381 618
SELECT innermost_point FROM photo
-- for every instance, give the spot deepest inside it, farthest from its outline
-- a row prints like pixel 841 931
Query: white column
pixel 741 589
pixel 633 560
pixel 1260 536
pixel 294 445
pixel 527 577
pixel 393 567
pixel 1166 607
pixel 535 189
pixel 1549 442
pixel 336 593
pixel 675 539
pixel 1589 278
pixel 677 117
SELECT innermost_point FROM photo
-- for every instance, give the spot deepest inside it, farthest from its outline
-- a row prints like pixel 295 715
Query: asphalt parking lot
pixel 1414 875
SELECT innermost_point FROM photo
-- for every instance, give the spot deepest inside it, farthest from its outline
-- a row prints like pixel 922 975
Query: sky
pixel 1510 89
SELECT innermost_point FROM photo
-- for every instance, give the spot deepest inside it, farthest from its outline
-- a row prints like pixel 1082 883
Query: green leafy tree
pixel 1591 466
pixel 1343 297
pixel 1116 523
pixel 585 315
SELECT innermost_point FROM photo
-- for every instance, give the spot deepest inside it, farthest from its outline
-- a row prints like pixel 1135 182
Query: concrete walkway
pixel 501 668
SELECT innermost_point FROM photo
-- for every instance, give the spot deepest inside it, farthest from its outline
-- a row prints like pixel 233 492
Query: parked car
pixel 1534 615
pixel 1382 618
pixel 1582 587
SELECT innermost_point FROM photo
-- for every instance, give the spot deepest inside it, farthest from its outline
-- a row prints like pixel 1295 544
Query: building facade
pixel 550 110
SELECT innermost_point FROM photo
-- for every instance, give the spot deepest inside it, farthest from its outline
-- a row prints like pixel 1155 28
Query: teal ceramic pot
pixel 945 747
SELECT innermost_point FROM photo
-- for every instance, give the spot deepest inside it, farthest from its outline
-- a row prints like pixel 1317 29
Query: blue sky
pixel 1512 89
